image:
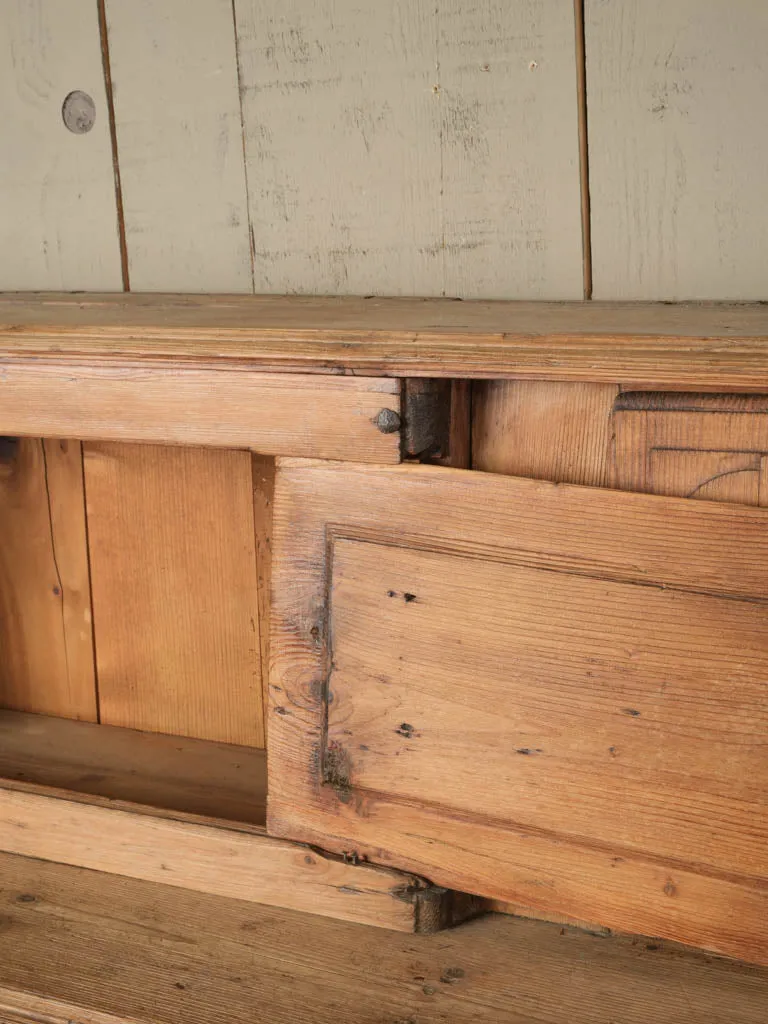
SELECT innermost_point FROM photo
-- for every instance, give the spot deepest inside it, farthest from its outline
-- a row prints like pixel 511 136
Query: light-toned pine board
pixel 18 1007
pixel 709 476
pixel 547 684
pixel 547 431
pixel 173 563
pixel 412 149
pixel 243 864
pixel 502 907
pixel 263 468
pixel 509 182
pixel 179 138
pixel 150 953
pixel 676 164
pixel 663 550
pixel 708 346
pixel 709 447
pixel 166 772
pixel 57 189
pixel 296 414
pixel 460 426
pixel 45 602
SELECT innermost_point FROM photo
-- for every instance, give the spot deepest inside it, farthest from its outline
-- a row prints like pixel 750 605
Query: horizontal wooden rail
pixel 154 807
pixel 703 346
pixel 288 414
pixel 237 861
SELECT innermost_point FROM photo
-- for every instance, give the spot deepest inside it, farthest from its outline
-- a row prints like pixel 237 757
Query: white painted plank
pixel 342 146
pixel 180 146
pixel 58 220
pixel 678 157
pixel 509 125
pixel 384 159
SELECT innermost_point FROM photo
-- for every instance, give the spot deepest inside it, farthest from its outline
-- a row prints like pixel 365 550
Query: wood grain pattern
pixel 245 864
pixel 18 1007
pixel 675 163
pixel 546 431
pixel 46 635
pixel 273 413
pixel 460 426
pixel 57 189
pixel 690 346
pixel 179 137
pixel 412 149
pixel 173 562
pixel 710 447
pixel 554 679
pixel 581 572
pixel 150 953
pixel 263 469
pixel 169 773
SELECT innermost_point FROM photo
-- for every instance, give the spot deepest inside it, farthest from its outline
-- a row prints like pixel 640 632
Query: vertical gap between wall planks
pixel 251 240
pixel 103 32
pixel 581 97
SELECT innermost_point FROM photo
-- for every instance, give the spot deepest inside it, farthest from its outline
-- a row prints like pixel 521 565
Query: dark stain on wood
pixel 9 446
pixel 337 770
pixel 427 418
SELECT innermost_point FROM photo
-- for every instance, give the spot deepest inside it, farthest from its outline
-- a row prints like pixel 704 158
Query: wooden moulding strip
pixel 684 346
pixel 236 861
pixel 329 418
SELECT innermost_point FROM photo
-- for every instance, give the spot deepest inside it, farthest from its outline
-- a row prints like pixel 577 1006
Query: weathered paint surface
pixel 405 148
pixel 58 221
pixel 677 155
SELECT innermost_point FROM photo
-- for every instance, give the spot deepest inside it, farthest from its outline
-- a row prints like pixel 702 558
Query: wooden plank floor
pixel 82 947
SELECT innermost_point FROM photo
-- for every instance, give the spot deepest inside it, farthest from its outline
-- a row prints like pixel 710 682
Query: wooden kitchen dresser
pixel 513 663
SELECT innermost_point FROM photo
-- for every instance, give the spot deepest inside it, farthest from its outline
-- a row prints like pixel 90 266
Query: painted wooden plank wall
pixel 180 145
pixel 392 147
pixel 58 220
pixel 677 154
pixel 406 148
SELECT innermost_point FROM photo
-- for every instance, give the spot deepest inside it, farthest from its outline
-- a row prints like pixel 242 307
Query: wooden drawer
pixel 550 695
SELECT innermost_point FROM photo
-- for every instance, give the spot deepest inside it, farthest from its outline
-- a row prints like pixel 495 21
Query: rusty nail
pixel 388 421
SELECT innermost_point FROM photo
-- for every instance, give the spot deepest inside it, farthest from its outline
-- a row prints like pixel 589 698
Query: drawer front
pixel 709 447
pixel 550 695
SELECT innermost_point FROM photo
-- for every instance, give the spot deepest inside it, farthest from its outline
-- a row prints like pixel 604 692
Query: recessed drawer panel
pixel 555 700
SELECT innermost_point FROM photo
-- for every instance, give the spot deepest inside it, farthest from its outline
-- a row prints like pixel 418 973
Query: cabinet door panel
pixel 544 694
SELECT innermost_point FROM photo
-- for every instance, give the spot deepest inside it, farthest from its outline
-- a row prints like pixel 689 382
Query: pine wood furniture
pixel 479 689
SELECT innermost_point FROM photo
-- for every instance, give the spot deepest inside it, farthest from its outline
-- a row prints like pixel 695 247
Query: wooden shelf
pixel 216 780
pixel 82 947
pixel 709 346
pixel 152 807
